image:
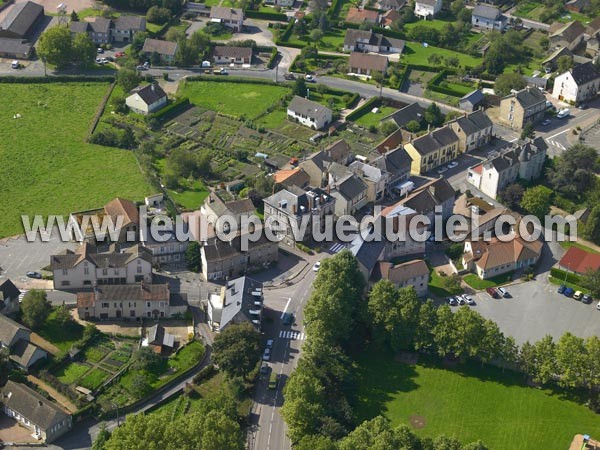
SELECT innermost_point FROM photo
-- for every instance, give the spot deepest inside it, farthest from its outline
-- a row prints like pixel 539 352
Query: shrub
pixel 158 15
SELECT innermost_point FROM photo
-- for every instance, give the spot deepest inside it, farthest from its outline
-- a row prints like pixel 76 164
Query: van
pixel 15 64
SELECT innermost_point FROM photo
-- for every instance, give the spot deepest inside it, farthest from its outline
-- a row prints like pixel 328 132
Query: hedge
pixel 364 109
pixel 273 58
pixel 560 275
pixel 334 9
pixel 57 79
pixel 287 33
pixel 176 105
pixel 279 17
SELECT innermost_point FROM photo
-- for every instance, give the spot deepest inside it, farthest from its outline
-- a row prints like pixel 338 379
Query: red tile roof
pixel 579 261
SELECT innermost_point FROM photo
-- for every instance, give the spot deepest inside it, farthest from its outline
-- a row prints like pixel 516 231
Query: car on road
pixel 546 122
pixel 587 299
pixel 452 301
pixel 100 50
pixel 503 292
pixel 264 369
pixel 36 275
pixel 468 299
pixel 289 76
pixel 568 292
pixel 441 170
pixel 288 319
pixel 270 343
pixel 221 71
pixel 452 165
pixel 273 380
pixel 309 78
pixel 563 113
pixel 141 68
pixel 15 65
pixel 317 266
pixel 266 354
pixel 561 289
pixel 577 295
pixel 492 292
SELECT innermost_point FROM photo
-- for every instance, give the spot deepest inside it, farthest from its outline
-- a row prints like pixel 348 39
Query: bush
pixel 158 15
pixel 559 275
pixel 204 374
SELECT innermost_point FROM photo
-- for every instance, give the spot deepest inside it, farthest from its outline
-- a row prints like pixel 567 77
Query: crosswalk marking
pixel 557 144
pixel 336 248
pixel 292 335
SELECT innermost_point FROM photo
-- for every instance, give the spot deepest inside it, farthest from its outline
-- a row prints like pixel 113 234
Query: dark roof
pixel 123 292
pixel 157 335
pixel 521 151
pixel 126 22
pixel 216 249
pixel 8 291
pixel 69 259
pixel 431 142
pixel 474 97
pixel 21 17
pixel 584 73
pixel 339 150
pixel 528 97
pixel 167 48
pixel 150 94
pixel 487 12
pixel 101 25
pixel 594 26
pixel 367 61
pixel 351 187
pixel 9 329
pixel 473 123
pixel 425 198
pixel 301 105
pixel 225 51
pixel 79 27
pixel 31 405
pixel 367 253
pixel 394 162
pixel 221 12
pixel 22 352
pixel 568 32
pixel 236 300
pixel 352 36
pixel 414 111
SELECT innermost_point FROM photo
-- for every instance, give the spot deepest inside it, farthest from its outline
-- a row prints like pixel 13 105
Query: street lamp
pixel 567 272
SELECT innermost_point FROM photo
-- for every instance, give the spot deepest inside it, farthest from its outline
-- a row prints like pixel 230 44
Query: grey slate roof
pixel 225 51
pixel 414 111
pixel 301 105
pixel 79 27
pixel 22 352
pixel 21 17
pixel 236 298
pixel 166 48
pixel 9 329
pixel 367 253
pixel 8 291
pixel 157 335
pixel 351 187
pixel 394 162
pixel 584 73
pixel 70 259
pixel 487 12
pixel 225 13
pixel 124 292
pixel 474 97
pixel 31 405
pixel 150 93
pixel 521 151
pixel 431 142
pixel 529 97
pixel 367 61
pixel 128 22
pixel 101 25
pixel 424 199
pixel 474 122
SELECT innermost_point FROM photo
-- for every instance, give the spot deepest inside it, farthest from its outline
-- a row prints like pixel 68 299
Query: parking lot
pixel 536 309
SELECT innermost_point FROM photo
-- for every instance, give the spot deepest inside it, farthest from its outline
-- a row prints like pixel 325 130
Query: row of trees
pixel 57 47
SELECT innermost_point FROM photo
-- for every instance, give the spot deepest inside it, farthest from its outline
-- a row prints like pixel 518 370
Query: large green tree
pixel 35 308
pixel 83 49
pixel 128 78
pixel 508 81
pixel 55 46
pixel 591 280
pixel 236 350
pixel 537 200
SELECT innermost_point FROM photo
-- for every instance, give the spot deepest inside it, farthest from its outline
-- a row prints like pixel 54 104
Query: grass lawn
pixel 48 168
pixel 568 244
pixel 373 119
pixel 93 379
pixel 71 373
pixel 470 403
pixel 191 195
pixel 477 283
pixel 415 53
pixel 237 99
pixel 274 119
pixel 436 285
pixel 187 356
pixel 62 336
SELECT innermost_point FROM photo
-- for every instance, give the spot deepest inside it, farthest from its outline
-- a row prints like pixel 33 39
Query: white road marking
pixel 558 134
pixel 286 306
pixel 513 140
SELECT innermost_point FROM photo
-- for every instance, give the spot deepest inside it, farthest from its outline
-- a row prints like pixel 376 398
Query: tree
pixel 316 35
pixel 236 350
pixel 591 281
pixel 512 195
pixel 528 131
pixel 62 316
pixel 536 200
pixel 591 228
pixel 54 46
pixel 443 331
pixel 83 49
pixel 413 126
pixel 452 282
pixel 424 340
pixel 139 385
pixel 316 442
pixel 35 308
pixel 456 6
pixel 101 439
pixel 158 15
pixel 564 63
pixel 573 172
pixel 507 82
pixel 192 257
pixel 299 87
pixel 544 367
pixel 128 78
pixel 571 360
pixel 388 127
pixel 527 358
pixel 433 115
pixel 74 16
pixel 144 359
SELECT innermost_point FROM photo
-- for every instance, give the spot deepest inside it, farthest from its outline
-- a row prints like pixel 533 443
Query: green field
pixel 470 403
pixel 236 99
pixel 62 336
pixel 46 167
pixel 477 283
pixel 71 373
pixel 93 379
pixel 373 119
pixel 415 53
pixel 436 286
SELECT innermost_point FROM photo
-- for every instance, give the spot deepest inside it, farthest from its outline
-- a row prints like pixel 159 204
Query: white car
pixel 270 343
pixel 598 305
pixel 317 266
pixel 309 78
pixel 452 165
pixel 468 299
pixel 503 292
pixel 267 354
pixel 15 64
pixel 566 112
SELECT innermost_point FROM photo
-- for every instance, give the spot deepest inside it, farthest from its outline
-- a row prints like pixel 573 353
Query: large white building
pixel 147 99
pixel 309 113
pixel 427 8
pixel 578 84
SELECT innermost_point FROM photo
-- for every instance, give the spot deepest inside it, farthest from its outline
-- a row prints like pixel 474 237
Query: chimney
pixel 294 209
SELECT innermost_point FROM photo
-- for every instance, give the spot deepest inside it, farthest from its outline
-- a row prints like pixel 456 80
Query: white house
pixel 578 84
pixel 230 17
pixel 232 55
pixel 309 113
pixel 427 8
pixel 146 99
pixel 488 17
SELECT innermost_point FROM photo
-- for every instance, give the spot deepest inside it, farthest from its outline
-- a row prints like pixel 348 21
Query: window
pixel 105 305
pixel 86 271
pixel 104 272
pixel 65 272
pixel 139 269
pixel 148 304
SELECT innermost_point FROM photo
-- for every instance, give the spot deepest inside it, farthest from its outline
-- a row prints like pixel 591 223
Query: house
pixel 592 46
pixel 9 297
pixel 490 259
pixel 471 101
pixel 412 273
pixel 294 206
pixel 536 82
pixel 433 149
pixel 577 6
pixel 125 218
pixel 226 259
pixel 230 17
pixel 349 192
pixel 21 20
pixel 164 49
pixel 16 338
pixel 159 340
pixel 409 113
pixel 35 412
pixel 125 27
pixel 375 178
pixel 427 9
pixel 98 30
pixel 239 301
pixel 488 17
pixel 214 207
pixel 86 267
pixel 578 84
pixel 432 197
pixel 232 55
pixel 366 64
pixel 593 28
pixel 390 5
pixel 360 16
pixel 309 113
pixel 147 99
pixel 340 152
pixel 524 160
pixel 389 17
pixel 473 130
pixel 568 35
pixel 167 251
pixel 520 108
pixel 577 260
pixel 396 164
pixel 291 177
pixel 15 48
pixel 282 3
pixel 316 168
pixel 367 41
pixel 138 301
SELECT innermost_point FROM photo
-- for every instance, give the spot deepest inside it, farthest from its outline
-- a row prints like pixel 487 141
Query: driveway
pixel 11 431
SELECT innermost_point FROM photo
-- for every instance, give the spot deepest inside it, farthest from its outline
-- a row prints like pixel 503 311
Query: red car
pixel 119 54
pixel 493 292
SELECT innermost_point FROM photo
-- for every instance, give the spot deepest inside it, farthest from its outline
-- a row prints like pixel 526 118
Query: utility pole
pixel 276 73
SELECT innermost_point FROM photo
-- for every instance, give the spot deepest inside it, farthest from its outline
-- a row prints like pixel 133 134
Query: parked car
pixel 568 292
pixel 309 78
pixel 289 76
pixel 577 295
pixel 461 301
pixel 441 170
pixel 141 68
pixel 119 54
pixel 452 165
pixel 598 305
pixel 452 301
pixel 503 292
pixel 563 113
pixel 100 50
pixel 492 292
pixel 317 266
pixel 36 275
pixel 546 122
pixel 587 299
pixel 469 299
pixel 264 369
pixel 273 380
pixel 270 343
pixel 288 319
pixel 561 289
pixel 15 64
pixel 267 354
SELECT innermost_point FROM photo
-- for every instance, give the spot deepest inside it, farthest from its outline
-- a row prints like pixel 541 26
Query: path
pixel 60 398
